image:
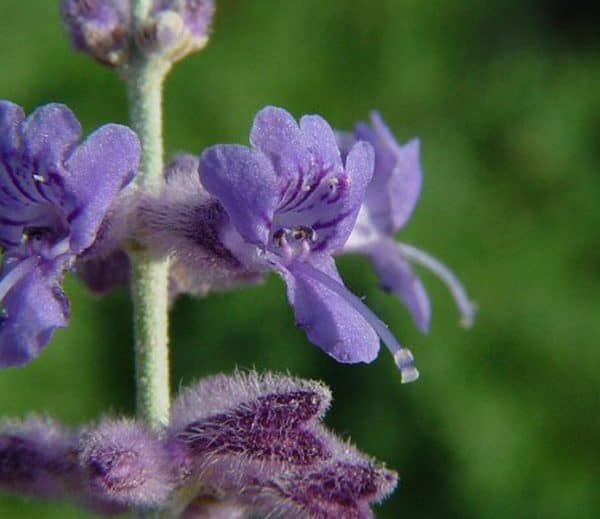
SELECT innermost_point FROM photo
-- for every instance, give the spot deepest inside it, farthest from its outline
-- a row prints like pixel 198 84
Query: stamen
pixel 279 236
pixel 35 232
pixel 303 232
pixel 466 307
pixel 402 356
pixel 15 275
pixel 39 178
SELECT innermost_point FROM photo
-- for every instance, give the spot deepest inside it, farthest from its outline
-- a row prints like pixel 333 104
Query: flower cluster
pixel 243 445
pixel 56 198
pixel 104 29
pixel 300 195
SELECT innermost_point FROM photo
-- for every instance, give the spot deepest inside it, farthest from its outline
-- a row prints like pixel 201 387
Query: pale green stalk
pixel 149 275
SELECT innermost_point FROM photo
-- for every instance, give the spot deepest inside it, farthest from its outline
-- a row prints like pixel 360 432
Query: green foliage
pixel 504 421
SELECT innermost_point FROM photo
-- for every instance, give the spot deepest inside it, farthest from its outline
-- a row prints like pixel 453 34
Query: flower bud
pixel 125 463
pixel 254 443
pixel 197 18
pixel 344 488
pixel 176 28
pixel 99 28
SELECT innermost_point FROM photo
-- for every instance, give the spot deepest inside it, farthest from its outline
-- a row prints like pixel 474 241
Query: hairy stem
pixel 149 275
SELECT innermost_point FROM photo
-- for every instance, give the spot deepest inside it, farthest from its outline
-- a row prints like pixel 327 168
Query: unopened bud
pixel 125 463
pixel 176 28
pixel 197 17
pixel 99 28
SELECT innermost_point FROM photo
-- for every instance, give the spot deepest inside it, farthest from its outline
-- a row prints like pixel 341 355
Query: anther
pixel 279 237
pixel 303 233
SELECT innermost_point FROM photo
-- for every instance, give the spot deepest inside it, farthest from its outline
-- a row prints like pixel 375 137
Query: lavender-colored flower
pixel 254 443
pixel 126 464
pixel 389 203
pixel 99 28
pixel 292 203
pixel 54 197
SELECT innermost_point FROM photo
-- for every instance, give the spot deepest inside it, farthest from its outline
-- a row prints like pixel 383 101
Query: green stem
pixel 149 275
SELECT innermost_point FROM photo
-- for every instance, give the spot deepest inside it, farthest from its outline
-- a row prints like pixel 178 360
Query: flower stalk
pixel 149 275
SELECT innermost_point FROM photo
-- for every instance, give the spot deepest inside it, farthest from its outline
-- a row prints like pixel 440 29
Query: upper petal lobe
pixel 97 171
pixel 246 184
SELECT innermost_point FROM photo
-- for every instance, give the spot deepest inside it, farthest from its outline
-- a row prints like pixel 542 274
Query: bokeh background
pixel 505 95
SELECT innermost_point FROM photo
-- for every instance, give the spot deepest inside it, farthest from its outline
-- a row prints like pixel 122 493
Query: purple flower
pixel 238 445
pixel 292 203
pixel 54 197
pixel 255 442
pixel 389 202
pixel 99 28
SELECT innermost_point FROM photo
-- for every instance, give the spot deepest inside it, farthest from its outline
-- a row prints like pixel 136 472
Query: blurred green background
pixel 505 96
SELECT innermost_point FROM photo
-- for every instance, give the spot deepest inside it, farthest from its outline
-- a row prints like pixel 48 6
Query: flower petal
pixel 33 309
pixel 98 170
pixel 11 116
pixel 245 183
pixel 48 134
pixel 276 133
pixel 328 198
pixel 12 198
pixel 394 192
pixel 328 320
pixel 395 275
pixel 359 170
pixel 321 141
